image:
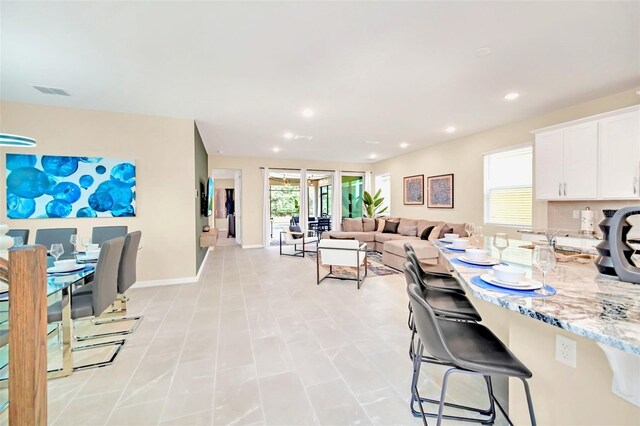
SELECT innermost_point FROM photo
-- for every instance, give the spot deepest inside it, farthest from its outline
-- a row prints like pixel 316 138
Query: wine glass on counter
pixel 544 258
pixel 501 242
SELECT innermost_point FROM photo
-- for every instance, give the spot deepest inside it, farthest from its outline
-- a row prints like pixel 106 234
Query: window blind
pixel 508 194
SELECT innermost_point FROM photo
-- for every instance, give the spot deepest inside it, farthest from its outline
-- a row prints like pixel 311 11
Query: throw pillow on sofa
pixel 380 226
pixel 390 227
pixel 426 232
pixel 352 224
pixel 407 231
pixel 368 224
pixel 446 229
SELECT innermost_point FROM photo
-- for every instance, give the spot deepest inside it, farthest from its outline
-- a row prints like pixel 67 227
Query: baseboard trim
pixel 174 281
pixel 252 246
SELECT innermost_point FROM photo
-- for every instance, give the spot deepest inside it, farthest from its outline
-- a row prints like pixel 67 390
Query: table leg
pixel 67 333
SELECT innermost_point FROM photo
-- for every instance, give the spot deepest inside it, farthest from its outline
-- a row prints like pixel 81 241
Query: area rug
pixel 375 266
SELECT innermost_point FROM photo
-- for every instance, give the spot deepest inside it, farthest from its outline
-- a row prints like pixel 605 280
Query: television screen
pixel 210 197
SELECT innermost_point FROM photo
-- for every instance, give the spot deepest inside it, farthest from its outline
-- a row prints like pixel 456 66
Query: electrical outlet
pixel 566 350
pixel 576 214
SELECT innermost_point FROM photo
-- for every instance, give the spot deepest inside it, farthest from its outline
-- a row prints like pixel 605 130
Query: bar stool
pixel 443 281
pixel 467 348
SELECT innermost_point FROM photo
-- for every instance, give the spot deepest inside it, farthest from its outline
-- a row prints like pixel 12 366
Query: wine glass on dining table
pixel 56 251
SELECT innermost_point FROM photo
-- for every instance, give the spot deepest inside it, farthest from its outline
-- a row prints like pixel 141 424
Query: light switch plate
pixel 566 350
pixel 576 214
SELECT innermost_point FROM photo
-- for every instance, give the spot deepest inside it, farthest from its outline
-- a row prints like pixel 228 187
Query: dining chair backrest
pixel 127 272
pixel 100 234
pixel 408 248
pixel 105 282
pixel 21 233
pixel 411 275
pixel 429 331
pixel 46 237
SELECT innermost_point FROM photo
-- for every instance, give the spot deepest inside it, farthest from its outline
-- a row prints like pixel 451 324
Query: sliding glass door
pixel 352 190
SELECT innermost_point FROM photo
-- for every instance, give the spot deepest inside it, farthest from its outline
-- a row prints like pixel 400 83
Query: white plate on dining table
pixel 65 268
pixel 526 284
pixel 86 258
pixel 487 262
pixel 444 240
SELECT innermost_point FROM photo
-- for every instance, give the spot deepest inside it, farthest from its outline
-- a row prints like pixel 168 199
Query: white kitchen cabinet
pixel 566 163
pixel 549 165
pixel 581 162
pixel 619 154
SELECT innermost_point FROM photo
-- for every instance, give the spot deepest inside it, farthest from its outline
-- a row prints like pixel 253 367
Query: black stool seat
pixel 442 283
pixel 445 304
pixel 474 347
pixel 451 305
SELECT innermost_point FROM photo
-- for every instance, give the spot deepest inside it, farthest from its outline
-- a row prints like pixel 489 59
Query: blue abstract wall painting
pixel 47 186
pixel 413 190
pixel 440 191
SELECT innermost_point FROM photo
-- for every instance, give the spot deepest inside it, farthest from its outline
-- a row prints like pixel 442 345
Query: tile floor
pixel 257 342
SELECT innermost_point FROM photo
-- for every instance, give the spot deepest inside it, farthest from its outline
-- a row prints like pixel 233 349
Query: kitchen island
pixel 601 314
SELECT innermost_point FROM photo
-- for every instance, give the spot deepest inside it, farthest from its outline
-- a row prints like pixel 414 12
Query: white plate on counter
pixel 85 258
pixel 444 240
pixel 65 268
pixel 526 284
pixel 487 262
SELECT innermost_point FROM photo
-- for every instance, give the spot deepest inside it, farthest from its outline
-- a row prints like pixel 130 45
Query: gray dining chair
pixel 127 276
pixel 104 292
pixel 20 233
pixel 46 237
pixel 464 348
pixel 100 234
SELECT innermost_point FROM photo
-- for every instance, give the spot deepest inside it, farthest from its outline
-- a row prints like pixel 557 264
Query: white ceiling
pixel 372 71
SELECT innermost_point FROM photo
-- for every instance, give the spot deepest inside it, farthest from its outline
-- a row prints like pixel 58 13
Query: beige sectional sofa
pixel 391 245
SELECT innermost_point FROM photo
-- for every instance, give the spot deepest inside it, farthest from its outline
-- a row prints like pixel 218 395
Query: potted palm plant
pixel 373 205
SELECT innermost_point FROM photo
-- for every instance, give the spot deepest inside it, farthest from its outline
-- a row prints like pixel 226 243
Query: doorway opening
pixel 227 206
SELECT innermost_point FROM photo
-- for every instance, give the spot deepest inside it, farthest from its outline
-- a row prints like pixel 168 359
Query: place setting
pixel 66 266
pixel 510 279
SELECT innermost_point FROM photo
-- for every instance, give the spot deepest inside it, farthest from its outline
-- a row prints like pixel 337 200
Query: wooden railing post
pixel 28 336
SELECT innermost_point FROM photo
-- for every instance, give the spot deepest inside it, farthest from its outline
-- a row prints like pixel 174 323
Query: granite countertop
pixel 589 304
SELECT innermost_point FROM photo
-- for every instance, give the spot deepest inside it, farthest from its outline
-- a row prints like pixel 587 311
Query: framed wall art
pixel 413 189
pixel 440 191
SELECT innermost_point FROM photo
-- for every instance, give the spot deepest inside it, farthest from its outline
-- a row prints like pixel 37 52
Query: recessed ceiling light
pixel 373 156
pixel 483 51
pixel 288 135
pixel 220 151
pixel 404 145
pixel 307 112
pixel 511 96
pixel 276 149
pixel 372 142
pixel 450 129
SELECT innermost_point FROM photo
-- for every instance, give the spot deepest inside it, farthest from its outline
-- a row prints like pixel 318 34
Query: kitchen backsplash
pixel 560 214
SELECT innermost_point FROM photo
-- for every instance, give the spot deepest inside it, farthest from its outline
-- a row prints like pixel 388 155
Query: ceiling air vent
pixel 51 90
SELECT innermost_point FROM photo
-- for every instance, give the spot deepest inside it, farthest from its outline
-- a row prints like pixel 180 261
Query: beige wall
pixel 251 192
pixel 463 157
pixel 222 184
pixel 163 150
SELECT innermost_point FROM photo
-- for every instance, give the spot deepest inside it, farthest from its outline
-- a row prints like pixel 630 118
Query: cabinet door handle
pixel 565 189
pixel 559 190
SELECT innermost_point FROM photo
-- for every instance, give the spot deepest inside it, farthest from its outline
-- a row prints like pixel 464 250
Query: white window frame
pixel 486 190
pixel 387 195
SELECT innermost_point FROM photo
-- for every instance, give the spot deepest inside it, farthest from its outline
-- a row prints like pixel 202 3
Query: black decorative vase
pixel 603 262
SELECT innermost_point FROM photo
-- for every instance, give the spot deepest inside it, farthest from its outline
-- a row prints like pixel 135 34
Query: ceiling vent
pixel 51 91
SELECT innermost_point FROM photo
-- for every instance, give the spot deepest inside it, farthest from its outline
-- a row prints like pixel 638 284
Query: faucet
pixel 552 239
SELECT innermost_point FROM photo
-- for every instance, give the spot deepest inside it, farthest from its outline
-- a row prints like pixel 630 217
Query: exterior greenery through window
pixel 284 200
pixel 508 195
pixel 352 189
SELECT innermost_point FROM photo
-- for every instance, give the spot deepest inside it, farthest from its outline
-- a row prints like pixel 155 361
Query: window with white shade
pixel 383 183
pixel 508 194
